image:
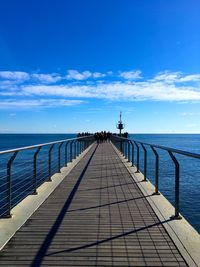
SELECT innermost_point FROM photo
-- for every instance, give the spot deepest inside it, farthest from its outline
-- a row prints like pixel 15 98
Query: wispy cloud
pixel 17 76
pixel 47 78
pixel 76 75
pixel 131 75
pixel 127 86
pixel 167 76
pixel 176 77
pixel 190 78
pixel 118 91
pixel 44 103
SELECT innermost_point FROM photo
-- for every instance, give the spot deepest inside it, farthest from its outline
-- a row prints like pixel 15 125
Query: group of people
pixel 83 134
pixel 102 136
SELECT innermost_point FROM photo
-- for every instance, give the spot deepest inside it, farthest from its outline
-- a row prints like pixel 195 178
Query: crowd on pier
pixel 102 136
pixel 84 134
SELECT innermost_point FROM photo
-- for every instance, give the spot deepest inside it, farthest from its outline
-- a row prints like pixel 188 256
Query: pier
pixel 98 210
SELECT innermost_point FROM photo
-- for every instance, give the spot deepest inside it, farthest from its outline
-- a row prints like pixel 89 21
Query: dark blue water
pixel 10 141
pixel 190 168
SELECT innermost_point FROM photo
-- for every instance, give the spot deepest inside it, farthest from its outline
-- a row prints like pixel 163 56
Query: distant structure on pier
pixel 120 125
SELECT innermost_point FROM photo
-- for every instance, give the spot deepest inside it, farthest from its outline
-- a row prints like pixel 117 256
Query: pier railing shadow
pixel 51 234
pixel 102 241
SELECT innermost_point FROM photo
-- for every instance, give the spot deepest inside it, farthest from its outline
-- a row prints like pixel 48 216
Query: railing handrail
pixel 60 159
pixel 122 146
pixel 41 145
pixel 177 151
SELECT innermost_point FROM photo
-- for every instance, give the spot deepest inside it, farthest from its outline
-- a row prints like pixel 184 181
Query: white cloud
pixel 20 104
pixel 98 75
pixel 165 86
pixel 167 76
pixel 47 78
pixel 136 91
pixel 131 75
pixel 176 77
pixel 190 78
pixel 14 75
pixel 76 75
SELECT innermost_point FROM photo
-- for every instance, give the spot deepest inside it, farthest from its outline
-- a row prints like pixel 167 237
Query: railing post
pixel 59 157
pixel 122 151
pixel 138 157
pixel 128 151
pixel 132 144
pixel 75 148
pixel 79 147
pixel 71 150
pixel 66 156
pixel 125 150
pixel 83 145
pixel 35 171
pixel 121 145
pixel 156 171
pixel 145 162
pixel 177 182
pixel 86 144
pixel 51 147
pixel 9 185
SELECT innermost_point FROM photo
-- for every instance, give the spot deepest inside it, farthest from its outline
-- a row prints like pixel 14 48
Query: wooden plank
pixel 96 217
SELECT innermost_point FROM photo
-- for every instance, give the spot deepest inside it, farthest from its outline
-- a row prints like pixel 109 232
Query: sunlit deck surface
pixel 97 216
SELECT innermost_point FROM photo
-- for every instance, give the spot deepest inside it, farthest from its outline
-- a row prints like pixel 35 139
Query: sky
pixel 70 66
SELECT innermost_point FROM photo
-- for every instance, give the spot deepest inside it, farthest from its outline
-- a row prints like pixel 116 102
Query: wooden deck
pixel 96 217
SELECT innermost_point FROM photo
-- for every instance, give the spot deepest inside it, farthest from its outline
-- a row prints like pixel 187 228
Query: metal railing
pixel 127 148
pixel 23 170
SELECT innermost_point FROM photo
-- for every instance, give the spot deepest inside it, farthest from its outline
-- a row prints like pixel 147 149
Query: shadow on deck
pixel 96 217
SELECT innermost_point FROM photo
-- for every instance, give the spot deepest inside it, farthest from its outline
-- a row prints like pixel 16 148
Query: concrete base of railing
pixel 31 203
pixel 185 237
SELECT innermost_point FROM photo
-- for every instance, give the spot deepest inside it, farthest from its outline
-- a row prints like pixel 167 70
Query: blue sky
pixel 73 65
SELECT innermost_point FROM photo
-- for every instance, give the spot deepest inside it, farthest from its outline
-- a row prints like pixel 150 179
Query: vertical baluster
pixel 71 156
pixel 177 182
pixel 75 142
pixel 145 162
pixel 156 171
pixel 129 151
pixel 9 185
pixel 66 155
pixel 50 150
pixel 59 157
pixel 35 170
pixel 132 144
pixel 138 157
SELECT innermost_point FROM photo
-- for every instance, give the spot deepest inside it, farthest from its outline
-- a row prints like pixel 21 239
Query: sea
pixel 189 167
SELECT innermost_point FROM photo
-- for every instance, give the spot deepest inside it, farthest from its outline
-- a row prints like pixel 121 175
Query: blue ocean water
pixel 11 141
pixel 190 168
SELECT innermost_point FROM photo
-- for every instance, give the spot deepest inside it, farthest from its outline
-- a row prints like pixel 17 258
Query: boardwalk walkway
pixel 96 217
